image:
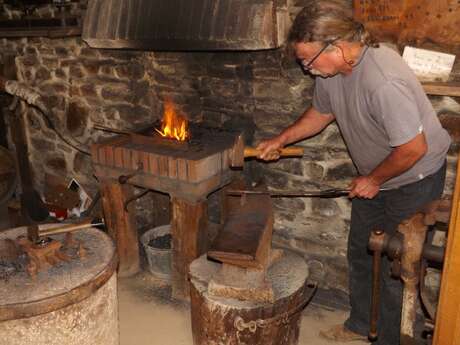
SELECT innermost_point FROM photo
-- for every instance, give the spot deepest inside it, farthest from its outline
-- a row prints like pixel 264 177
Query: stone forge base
pixel 227 321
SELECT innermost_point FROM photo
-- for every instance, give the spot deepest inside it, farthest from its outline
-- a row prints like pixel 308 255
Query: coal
pixel 161 242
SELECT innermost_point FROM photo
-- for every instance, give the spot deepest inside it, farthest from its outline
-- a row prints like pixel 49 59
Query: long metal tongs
pixel 325 193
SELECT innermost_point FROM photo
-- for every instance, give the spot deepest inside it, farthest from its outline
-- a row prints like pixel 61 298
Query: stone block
pixel 51 101
pixel 119 54
pixel 222 72
pixel 69 62
pixel 266 73
pixel 77 118
pixel 107 70
pixel 57 164
pixel 131 114
pixel 62 52
pixel 289 165
pixel 340 171
pixel 245 72
pixel 88 90
pixel 76 72
pixel 277 91
pixel 50 62
pixel 91 66
pixel 46 51
pixel 81 163
pixel 31 50
pixel 43 145
pixel 325 207
pixel 312 170
pixel 295 205
pixel 42 74
pixel 29 60
pixel 451 122
pixel 140 90
pixel 55 87
pixel 228 88
pixel 117 92
pixel 275 179
pixel 213 118
pixel 89 52
pixel 131 71
pixel 272 122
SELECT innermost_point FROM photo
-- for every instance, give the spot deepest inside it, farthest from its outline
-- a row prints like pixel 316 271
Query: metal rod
pixel 111 130
pixel 273 193
pixel 376 261
pixel 325 193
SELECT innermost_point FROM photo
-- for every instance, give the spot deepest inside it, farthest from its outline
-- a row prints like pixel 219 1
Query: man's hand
pixel 363 187
pixel 270 149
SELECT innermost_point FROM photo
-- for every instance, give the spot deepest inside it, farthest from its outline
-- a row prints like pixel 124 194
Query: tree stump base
pixel 229 321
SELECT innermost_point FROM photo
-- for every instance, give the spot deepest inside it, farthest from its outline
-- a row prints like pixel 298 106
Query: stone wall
pixel 126 90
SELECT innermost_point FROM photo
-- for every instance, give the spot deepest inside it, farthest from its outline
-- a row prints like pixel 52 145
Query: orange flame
pixel 173 125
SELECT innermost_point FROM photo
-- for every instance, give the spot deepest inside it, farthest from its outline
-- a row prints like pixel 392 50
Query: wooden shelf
pixel 442 88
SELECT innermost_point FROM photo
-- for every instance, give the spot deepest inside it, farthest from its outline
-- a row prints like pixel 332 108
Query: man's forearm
pixel 310 123
pixel 401 159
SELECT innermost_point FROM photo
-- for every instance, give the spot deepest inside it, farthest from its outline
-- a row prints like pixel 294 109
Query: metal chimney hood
pixel 186 25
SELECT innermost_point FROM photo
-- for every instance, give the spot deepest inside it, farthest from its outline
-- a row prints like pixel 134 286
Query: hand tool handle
pixel 292 151
pixel 70 227
pixel 375 305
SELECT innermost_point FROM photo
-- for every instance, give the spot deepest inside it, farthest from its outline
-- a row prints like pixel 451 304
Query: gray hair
pixel 328 21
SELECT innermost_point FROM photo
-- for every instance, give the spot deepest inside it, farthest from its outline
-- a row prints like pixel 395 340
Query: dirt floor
pixel 148 317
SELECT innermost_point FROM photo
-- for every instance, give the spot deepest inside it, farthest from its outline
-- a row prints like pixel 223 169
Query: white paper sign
pixel 429 65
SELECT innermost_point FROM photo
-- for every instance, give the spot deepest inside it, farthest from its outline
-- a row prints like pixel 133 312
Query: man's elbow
pixel 420 148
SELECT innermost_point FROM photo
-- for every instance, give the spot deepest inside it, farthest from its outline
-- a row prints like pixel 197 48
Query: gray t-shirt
pixel 380 105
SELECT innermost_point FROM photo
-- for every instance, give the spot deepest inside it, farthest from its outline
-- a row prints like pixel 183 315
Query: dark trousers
pixel 385 211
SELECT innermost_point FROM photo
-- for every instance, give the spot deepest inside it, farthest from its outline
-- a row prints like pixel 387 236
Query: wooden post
pixel 189 241
pixel 447 330
pixel 120 225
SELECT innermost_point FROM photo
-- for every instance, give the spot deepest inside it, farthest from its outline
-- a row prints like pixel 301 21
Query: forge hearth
pixel 187 171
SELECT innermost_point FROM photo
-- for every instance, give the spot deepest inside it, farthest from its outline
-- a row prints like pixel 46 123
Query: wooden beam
pixel 120 225
pixel 189 240
pixel 447 330
pixel 442 89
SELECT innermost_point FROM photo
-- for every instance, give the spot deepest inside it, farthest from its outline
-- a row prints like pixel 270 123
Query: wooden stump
pixel 189 241
pixel 72 303
pixel 227 321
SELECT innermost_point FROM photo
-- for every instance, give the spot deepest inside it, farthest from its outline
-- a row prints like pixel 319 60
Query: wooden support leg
pixel 189 241
pixel 120 225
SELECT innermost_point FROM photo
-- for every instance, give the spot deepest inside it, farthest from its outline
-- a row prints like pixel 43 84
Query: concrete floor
pixel 148 317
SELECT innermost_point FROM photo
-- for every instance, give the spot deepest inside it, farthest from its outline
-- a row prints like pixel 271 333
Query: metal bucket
pixel 159 259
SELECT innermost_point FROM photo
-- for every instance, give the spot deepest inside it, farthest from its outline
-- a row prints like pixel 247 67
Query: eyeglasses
pixel 307 65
